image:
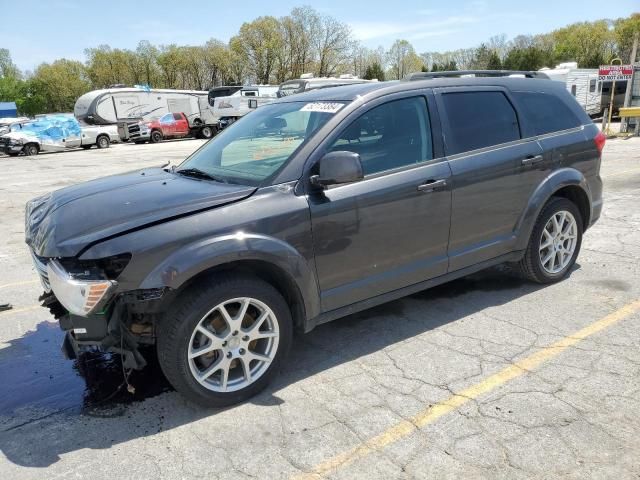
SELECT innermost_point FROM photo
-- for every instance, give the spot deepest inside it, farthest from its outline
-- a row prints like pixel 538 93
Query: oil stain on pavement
pixel 38 381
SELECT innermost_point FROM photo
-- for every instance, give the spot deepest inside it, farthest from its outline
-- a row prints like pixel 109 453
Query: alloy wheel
pixel 233 344
pixel 558 242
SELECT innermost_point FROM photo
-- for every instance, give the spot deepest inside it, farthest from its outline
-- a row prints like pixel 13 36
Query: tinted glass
pixel 546 112
pixel 389 136
pixel 177 116
pixel 478 120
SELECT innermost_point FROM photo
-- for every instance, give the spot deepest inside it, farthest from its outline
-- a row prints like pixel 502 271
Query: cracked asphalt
pixel 484 377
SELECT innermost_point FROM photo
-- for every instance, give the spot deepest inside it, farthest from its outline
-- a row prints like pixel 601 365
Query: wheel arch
pixel 568 183
pixel 105 135
pixel 266 271
pixel 267 258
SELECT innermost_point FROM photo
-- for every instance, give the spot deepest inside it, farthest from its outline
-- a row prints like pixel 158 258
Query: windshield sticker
pixel 322 107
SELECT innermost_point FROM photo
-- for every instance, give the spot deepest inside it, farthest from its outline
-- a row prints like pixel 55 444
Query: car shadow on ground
pixel 93 409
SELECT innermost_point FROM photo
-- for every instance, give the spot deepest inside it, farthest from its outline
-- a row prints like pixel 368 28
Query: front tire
pixel 156 136
pixel 30 149
pixel 554 244
pixel 225 340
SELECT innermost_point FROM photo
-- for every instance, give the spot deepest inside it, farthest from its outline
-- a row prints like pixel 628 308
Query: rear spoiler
pixel 476 73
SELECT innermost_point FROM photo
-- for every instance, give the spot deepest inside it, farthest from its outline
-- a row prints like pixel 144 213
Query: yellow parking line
pixel 19 310
pixel 431 414
pixel 17 284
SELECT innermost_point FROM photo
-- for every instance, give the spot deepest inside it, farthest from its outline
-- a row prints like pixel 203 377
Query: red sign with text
pixel 615 72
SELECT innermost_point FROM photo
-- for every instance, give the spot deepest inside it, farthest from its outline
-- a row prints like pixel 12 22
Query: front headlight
pixel 15 142
pixel 80 297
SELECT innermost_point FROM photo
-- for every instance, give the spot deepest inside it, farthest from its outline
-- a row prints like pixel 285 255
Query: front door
pixel 168 125
pixel 391 229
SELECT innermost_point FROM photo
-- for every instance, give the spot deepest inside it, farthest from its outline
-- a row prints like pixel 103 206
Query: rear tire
pixel 156 136
pixel 103 142
pixel 554 244
pixel 206 132
pixel 199 352
pixel 30 149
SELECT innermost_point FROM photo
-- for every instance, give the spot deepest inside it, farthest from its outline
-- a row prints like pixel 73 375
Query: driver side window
pixel 393 135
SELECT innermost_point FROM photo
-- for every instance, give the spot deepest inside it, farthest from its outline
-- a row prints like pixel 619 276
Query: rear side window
pixel 478 120
pixel 177 116
pixel 546 112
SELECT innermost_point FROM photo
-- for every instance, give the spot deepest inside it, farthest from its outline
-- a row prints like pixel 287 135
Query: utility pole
pixel 627 93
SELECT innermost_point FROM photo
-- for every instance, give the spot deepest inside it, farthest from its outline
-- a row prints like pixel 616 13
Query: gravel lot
pixel 485 377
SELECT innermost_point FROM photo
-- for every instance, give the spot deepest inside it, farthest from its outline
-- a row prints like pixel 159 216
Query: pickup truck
pixel 170 125
pixel 53 133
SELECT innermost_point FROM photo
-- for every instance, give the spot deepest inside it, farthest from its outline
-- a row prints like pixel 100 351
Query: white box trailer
pixel 582 83
pixel 114 105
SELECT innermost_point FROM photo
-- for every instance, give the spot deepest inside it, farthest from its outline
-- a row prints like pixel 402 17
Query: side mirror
pixel 338 167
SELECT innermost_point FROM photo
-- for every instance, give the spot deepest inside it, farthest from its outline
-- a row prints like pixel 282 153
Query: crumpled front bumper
pixel 8 149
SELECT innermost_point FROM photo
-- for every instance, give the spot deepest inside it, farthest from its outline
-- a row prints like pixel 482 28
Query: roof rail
pixel 476 73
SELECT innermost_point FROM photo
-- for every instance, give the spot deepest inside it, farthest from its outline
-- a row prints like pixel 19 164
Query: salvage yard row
pixel 483 377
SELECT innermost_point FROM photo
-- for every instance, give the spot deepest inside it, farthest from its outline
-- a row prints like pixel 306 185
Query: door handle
pixel 531 159
pixel 431 185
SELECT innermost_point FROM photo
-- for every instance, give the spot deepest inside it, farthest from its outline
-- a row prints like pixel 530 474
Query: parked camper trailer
pixel 224 91
pixel 582 83
pixel 229 109
pixel 103 107
pixel 308 82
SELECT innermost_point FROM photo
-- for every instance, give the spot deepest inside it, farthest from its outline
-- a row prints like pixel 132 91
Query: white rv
pixel 229 109
pixel 308 82
pixel 582 83
pixel 110 106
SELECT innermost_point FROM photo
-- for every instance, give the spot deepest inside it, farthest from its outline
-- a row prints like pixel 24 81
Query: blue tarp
pixel 54 127
pixel 8 109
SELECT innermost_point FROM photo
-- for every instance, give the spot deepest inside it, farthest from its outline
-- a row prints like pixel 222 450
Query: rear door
pixel 489 153
pixel 391 229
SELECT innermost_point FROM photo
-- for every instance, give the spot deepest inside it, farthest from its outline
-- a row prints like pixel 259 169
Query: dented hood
pixel 63 223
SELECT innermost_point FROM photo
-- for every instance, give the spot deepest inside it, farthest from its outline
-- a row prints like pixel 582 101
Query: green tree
pixel 493 62
pixel 624 31
pixel 59 85
pixel 374 71
pixel 259 41
pixel 588 43
pixel 403 59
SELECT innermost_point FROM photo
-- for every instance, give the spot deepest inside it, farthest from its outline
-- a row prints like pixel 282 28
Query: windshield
pixel 254 148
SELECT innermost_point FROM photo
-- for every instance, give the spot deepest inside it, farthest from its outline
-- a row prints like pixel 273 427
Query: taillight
pixel 600 139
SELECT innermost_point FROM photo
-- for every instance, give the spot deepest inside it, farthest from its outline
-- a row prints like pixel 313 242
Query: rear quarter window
pixel 478 120
pixel 546 112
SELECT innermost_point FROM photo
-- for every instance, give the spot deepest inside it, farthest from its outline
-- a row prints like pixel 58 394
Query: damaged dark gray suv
pixel 312 208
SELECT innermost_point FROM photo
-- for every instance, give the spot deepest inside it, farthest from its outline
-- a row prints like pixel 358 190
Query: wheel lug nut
pixel 229 355
pixel 242 351
pixel 224 344
pixel 245 338
pixel 235 333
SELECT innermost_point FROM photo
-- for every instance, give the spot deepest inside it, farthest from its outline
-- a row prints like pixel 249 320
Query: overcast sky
pixel 42 31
